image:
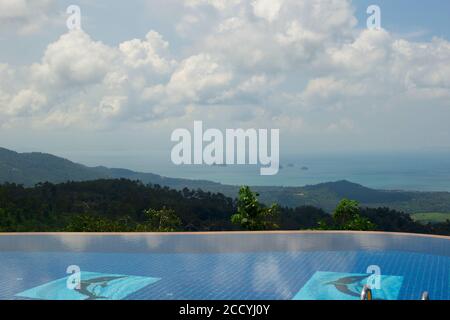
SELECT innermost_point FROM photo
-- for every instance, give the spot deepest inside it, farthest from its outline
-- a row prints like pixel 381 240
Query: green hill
pixel 31 168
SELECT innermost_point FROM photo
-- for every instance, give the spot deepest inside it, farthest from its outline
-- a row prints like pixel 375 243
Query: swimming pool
pixel 225 266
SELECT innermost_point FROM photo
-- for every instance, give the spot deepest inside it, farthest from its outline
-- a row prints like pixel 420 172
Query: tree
pixel 251 215
pixel 346 211
pixel 347 216
pixel 360 223
pixel 164 220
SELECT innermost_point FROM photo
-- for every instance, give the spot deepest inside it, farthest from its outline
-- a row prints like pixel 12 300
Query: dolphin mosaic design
pixel 326 285
pixel 350 285
pixel 87 287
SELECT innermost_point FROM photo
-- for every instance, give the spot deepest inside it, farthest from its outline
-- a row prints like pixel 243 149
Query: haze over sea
pixel 421 171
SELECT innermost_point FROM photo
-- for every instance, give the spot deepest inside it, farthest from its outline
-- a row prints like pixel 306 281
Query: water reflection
pixel 225 242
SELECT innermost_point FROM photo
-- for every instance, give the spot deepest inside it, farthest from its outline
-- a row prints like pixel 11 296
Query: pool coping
pixel 214 233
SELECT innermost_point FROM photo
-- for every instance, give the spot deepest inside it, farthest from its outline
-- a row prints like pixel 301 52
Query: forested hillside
pixel 122 205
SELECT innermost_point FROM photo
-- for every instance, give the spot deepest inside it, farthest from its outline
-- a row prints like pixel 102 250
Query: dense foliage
pixel 251 215
pixel 50 207
pixel 124 205
pixel 347 216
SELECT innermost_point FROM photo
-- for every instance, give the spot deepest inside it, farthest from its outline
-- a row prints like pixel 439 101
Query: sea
pixel 418 171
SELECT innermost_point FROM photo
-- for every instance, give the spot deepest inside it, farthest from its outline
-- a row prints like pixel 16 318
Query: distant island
pixel 219 165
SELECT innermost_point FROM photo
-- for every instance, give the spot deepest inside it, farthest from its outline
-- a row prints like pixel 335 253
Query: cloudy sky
pixel 138 71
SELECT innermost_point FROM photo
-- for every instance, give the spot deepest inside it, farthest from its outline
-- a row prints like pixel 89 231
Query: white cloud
pixel 267 9
pixel 111 106
pixel 364 54
pixel 74 60
pixel 328 90
pixel 146 53
pixel 197 78
pixel 83 81
pixel 185 26
pixel 218 4
pixel 26 102
pixel 26 16
pixel 377 67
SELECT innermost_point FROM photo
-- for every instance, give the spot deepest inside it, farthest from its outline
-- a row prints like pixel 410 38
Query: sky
pixel 115 90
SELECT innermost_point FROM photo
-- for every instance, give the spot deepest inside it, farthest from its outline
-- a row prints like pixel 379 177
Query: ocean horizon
pixel 390 171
